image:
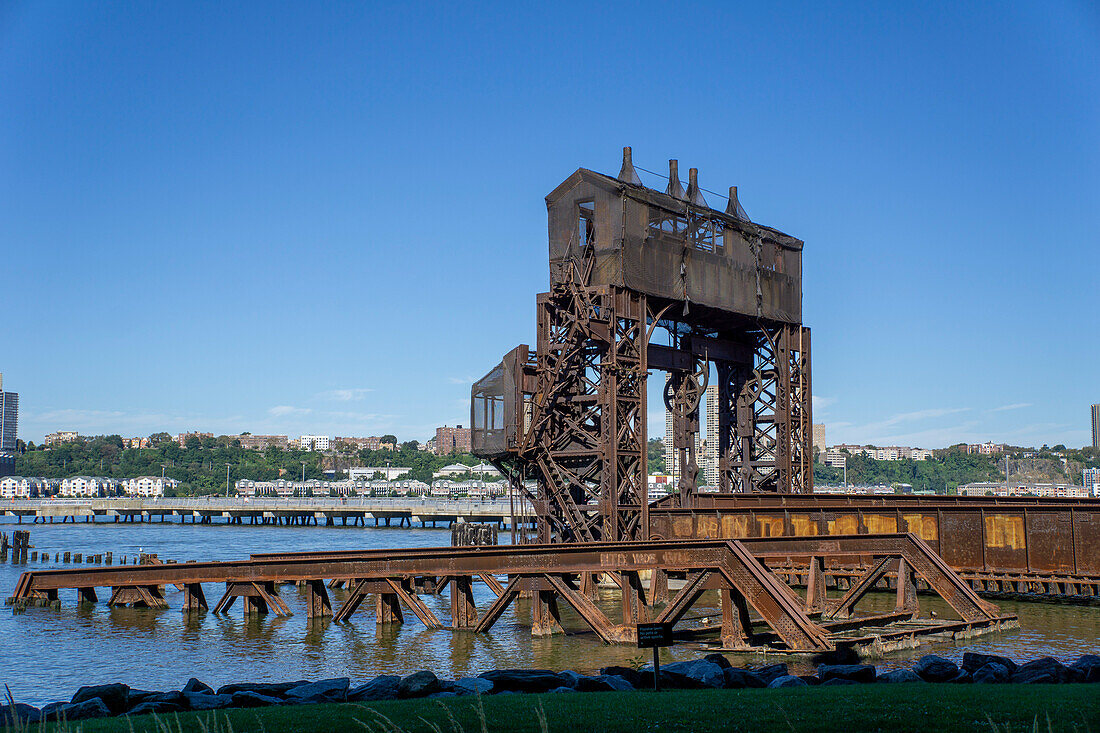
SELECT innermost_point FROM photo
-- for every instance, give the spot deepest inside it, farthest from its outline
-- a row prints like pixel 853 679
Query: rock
pixel 853 672
pixel 523 680
pixel 1043 671
pixel 810 680
pixel 631 675
pixel 670 679
pixel 963 677
pixel 563 689
pixel 604 683
pixel 739 679
pixel 116 696
pixel 156 706
pixel 472 686
pixel 444 693
pixel 169 698
pixel 838 681
pixel 645 680
pixel 90 708
pixel 14 717
pixel 973 661
pixel 786 680
pixel 203 701
pixel 571 678
pixel 991 673
pixel 719 659
pixel 895 676
pixel 770 672
pixel 382 687
pixel 1089 667
pixel 334 690
pixel 932 668
pixel 194 685
pixel 250 699
pixel 418 684
pixel 269 689
pixel 708 674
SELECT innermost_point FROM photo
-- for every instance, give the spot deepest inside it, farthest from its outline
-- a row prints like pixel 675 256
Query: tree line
pixel 200 465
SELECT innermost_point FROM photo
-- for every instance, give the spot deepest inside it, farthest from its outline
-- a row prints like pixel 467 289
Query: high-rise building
pixel 819 439
pixel 1090 479
pixel 1096 426
pixel 709 464
pixel 450 440
pixel 9 418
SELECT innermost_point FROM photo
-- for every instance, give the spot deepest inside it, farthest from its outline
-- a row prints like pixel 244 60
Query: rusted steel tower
pixel 642 279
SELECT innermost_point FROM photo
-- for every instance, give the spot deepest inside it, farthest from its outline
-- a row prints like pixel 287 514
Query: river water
pixel 49 653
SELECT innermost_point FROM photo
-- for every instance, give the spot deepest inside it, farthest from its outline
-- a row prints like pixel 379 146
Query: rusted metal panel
pixel 1005 541
pixel 1086 532
pixel 1050 541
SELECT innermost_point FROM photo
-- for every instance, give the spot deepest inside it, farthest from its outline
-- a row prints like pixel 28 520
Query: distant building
pixel 985 449
pixel 819 438
pixel 148 486
pixel 388 473
pixel 313 442
pixel 18 487
pixel 1091 480
pixel 835 456
pixel 262 442
pixel 135 442
pixel 456 469
pixel 428 446
pixel 9 418
pixel 1055 491
pixel 7 464
pixel 369 443
pixel 1096 426
pixel 182 438
pixel 88 486
pixel 450 440
pixel 709 464
pixel 61 436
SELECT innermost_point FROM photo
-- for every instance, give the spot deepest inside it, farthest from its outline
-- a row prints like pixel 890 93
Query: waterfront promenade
pixel 352 511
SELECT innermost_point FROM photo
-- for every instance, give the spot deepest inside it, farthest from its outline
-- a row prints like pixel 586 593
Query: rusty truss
pixel 654 581
pixel 725 296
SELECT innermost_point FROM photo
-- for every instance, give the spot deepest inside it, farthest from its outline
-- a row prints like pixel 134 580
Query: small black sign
pixel 654 635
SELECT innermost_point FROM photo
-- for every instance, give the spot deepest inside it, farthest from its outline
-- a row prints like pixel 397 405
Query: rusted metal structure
pixel 725 294
pixel 998 545
pixel 758 610
pixel 645 280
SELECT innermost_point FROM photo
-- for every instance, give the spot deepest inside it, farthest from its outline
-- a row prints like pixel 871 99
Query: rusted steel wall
pixel 1056 537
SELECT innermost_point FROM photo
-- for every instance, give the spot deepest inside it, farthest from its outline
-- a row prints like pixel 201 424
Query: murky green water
pixel 48 654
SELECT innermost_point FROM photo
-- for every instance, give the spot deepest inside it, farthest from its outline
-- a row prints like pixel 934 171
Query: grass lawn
pixel 917 707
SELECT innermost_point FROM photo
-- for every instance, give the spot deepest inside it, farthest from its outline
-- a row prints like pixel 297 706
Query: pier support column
pixel 317 601
pixel 194 599
pixel 815 586
pixel 463 610
pixel 387 609
pixel 736 625
pixel 546 619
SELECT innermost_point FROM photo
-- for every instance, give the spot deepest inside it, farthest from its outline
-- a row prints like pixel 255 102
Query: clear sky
pixel 329 218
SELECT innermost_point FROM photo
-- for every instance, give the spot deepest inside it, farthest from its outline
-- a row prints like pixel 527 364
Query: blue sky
pixel 329 217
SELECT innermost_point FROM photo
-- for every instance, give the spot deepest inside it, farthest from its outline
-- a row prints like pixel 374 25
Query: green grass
pixel 918 707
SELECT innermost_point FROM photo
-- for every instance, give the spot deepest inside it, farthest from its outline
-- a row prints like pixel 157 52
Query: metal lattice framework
pixel 569 428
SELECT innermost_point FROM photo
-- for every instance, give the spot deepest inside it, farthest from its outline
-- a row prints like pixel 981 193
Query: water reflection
pixel 50 653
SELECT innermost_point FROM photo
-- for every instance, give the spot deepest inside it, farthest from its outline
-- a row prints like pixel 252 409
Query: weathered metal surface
pixel 626 260
pixel 1017 544
pixel 739 569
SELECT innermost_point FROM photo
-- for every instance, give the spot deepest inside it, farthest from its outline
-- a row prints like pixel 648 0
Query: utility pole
pixel 226 479
pixel 303 472
pixel 845 471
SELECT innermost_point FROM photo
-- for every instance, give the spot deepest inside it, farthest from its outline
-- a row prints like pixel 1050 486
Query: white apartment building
pixel 1091 480
pixel 148 486
pixel 313 442
pixel 835 457
pixel 18 487
pixel 87 486
pixel 1055 491
pixel 61 436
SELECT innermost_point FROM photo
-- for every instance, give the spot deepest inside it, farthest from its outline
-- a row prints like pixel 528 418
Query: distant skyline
pixel 279 219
